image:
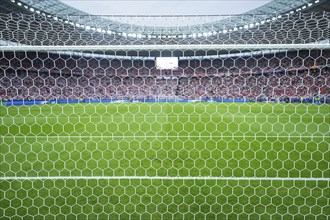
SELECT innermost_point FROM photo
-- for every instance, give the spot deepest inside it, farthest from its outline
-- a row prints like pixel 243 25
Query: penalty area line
pixel 165 178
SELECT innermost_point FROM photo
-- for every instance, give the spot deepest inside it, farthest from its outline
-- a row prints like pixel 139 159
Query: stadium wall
pixel 64 101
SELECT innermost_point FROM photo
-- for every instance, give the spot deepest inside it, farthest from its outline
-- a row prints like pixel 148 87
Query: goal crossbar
pixel 167 47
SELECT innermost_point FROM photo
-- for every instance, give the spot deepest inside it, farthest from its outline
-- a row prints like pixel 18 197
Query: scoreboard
pixel 167 62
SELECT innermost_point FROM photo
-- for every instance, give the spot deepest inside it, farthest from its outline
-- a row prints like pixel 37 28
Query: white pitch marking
pixel 166 116
pixel 166 136
pixel 164 178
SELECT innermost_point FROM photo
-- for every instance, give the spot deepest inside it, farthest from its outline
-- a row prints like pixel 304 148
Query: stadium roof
pixel 60 10
pixel 165 7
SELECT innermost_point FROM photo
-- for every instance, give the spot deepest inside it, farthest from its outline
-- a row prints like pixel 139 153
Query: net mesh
pixel 100 133
pixel 47 29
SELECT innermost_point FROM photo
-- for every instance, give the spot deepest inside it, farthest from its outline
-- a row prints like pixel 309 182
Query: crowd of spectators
pixel 25 76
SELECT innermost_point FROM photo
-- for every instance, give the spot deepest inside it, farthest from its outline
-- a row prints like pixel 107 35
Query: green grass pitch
pixel 204 160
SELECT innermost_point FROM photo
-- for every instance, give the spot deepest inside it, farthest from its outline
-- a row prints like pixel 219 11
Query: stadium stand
pixel 33 76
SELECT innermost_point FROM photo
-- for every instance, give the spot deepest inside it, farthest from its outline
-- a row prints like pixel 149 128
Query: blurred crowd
pixel 31 76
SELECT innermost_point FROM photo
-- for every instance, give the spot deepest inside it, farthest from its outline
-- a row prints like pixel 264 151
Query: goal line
pixel 165 178
pixel 157 136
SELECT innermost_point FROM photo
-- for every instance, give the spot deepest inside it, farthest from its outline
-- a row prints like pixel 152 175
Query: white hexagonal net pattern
pixel 240 135
pixel 235 132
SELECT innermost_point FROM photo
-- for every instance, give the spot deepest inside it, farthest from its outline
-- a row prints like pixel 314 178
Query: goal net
pixel 98 131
